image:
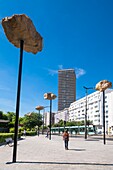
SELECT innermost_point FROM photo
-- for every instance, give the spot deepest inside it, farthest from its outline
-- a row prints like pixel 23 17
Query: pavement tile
pixel 40 153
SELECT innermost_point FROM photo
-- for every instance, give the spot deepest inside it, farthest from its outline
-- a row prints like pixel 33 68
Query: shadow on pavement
pixel 61 163
pixel 77 149
pixel 92 140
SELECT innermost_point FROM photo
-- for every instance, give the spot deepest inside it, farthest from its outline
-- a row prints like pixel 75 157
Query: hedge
pixel 31 133
pixel 3 136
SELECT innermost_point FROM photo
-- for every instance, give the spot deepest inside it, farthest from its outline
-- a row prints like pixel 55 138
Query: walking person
pixel 24 133
pixel 66 139
pixel 38 132
pixel 47 134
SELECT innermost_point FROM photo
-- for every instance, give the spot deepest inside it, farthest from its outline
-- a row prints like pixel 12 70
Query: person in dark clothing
pixel 66 139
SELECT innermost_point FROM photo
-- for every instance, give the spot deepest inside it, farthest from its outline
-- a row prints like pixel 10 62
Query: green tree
pixel 21 121
pixel 32 120
pixel 11 117
pixel 3 115
pixel 59 124
pixel 89 122
pixel 73 123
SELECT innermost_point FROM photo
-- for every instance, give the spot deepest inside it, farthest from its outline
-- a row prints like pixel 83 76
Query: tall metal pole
pixel 86 88
pixel 86 117
pixel 104 117
pixel 18 101
pixel 43 121
pixel 50 118
pixel 64 124
pixel 50 96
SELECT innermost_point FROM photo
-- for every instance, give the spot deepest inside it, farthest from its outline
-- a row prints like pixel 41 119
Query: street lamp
pixel 21 32
pixel 44 117
pixel 102 86
pixel 50 96
pixel 86 90
pixel 41 108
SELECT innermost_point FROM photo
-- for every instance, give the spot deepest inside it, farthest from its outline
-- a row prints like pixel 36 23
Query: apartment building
pixel 66 88
pixel 62 115
pixel 47 118
pixel 77 110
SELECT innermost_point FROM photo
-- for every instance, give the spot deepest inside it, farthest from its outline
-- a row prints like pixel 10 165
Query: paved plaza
pixel 40 153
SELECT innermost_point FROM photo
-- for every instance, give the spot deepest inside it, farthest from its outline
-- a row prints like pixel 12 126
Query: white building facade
pixel 47 118
pixel 94 104
pixel 62 115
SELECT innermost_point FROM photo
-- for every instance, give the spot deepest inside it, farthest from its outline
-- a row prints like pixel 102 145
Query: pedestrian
pixel 38 132
pixel 66 139
pixel 24 133
pixel 47 134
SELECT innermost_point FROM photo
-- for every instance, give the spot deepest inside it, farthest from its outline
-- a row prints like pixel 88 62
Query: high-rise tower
pixel 66 88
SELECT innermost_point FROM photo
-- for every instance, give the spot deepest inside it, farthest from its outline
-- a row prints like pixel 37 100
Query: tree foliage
pixel 11 117
pixel 73 123
pixel 32 120
pixel 59 124
pixel 3 116
pixel 29 121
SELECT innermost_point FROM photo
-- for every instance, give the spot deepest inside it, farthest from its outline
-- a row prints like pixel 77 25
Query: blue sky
pixel 77 34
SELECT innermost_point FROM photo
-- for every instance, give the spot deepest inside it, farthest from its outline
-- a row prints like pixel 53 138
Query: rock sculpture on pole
pixel 50 96
pixel 39 107
pixel 20 27
pixel 102 86
pixel 21 32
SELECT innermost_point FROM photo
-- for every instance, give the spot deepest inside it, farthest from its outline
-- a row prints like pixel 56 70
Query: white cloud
pixel 60 67
pixel 79 72
pixel 52 72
